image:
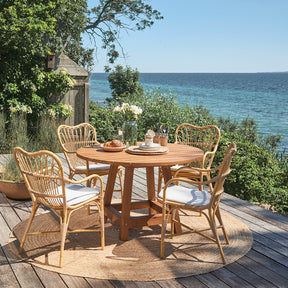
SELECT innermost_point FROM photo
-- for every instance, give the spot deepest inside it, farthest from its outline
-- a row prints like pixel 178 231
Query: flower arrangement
pixel 129 115
pixel 129 112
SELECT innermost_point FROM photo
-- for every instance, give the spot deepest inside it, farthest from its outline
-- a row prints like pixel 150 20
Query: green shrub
pixel 255 175
pixel 47 135
pixel 102 118
pixel 17 137
pixel 124 83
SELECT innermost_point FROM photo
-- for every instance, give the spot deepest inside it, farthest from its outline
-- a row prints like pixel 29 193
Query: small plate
pixel 112 149
pixel 153 147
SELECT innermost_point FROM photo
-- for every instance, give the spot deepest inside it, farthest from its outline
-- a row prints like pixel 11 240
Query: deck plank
pixel 191 282
pixel 231 279
pixel 265 273
pixel 264 260
pixel 7 277
pixel 24 272
pixel 256 211
pixel 211 280
pixel 99 283
pixel 75 282
pixel 49 279
pixel 245 273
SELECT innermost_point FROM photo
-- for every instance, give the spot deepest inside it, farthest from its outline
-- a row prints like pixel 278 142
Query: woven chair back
pixel 224 171
pixel 43 174
pixel 73 137
pixel 206 138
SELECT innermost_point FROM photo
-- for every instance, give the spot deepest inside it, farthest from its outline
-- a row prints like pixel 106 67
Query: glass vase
pixel 129 130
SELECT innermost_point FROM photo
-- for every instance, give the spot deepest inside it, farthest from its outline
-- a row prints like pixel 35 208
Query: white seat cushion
pixel 76 194
pixel 94 167
pixel 187 196
pixel 176 167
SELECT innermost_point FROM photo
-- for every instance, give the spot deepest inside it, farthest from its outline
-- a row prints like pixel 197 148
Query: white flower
pixel 12 109
pixel 117 109
pixel 26 109
pixel 130 112
pixel 33 88
pixel 41 76
pixel 52 113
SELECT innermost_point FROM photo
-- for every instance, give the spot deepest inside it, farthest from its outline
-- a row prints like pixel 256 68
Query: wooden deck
pixel 265 265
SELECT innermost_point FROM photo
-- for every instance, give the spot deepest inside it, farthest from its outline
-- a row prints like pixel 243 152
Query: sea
pixel 259 96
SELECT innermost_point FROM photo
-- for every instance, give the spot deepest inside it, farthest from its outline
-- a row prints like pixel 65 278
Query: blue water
pixel 261 96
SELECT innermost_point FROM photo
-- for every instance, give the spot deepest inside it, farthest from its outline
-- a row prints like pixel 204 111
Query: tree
pixel 124 83
pixel 110 17
pixel 25 84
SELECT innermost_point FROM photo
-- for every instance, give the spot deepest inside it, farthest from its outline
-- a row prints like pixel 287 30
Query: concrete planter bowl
pixel 14 190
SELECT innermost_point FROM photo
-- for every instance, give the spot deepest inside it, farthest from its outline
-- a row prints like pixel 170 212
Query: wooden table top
pixel 178 154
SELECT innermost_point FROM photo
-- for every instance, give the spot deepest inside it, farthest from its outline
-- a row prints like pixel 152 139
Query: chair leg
pixel 172 221
pixel 31 217
pixel 101 214
pixel 165 216
pixel 120 175
pixel 214 230
pixel 160 177
pixel 218 215
pixel 63 232
pixel 163 231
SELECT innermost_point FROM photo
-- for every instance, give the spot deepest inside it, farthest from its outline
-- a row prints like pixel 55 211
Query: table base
pixel 113 212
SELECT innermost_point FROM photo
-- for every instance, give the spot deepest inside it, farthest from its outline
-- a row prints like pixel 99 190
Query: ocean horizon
pixel 259 96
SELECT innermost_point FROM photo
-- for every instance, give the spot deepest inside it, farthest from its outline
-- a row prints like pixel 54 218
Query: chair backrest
pixel 224 171
pixel 205 138
pixel 43 174
pixel 73 137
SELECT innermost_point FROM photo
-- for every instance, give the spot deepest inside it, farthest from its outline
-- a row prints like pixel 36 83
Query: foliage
pixel 17 137
pixel 108 19
pixel 160 109
pixel 255 173
pixel 3 142
pixel 124 83
pixel 103 119
pixel 25 84
pixel 47 134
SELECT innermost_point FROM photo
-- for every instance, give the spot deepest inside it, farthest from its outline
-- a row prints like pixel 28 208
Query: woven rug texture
pixel 134 260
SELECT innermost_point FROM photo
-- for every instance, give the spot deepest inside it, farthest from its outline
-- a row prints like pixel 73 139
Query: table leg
pixel 110 186
pixel 150 187
pixel 126 203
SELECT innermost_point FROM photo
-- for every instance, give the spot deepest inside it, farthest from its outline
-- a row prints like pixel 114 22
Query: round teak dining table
pixel 119 213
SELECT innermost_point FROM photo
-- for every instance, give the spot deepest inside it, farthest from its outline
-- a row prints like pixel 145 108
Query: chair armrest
pixel 206 154
pixel 88 178
pixel 203 170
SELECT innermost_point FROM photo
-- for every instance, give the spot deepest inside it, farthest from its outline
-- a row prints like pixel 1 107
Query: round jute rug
pixel 136 259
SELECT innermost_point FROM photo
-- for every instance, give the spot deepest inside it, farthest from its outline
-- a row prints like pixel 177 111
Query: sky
pixel 208 36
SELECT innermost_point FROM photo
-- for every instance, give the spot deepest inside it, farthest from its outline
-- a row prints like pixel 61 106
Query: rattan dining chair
pixel 180 193
pixel 43 174
pixel 72 138
pixel 206 138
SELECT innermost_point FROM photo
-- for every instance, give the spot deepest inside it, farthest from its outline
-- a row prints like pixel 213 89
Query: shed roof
pixel 63 61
